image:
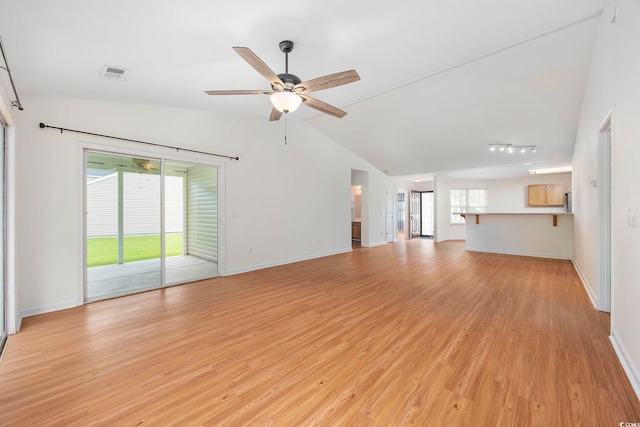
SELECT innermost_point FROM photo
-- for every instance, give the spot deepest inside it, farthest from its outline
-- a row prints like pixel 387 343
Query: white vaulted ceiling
pixel 439 80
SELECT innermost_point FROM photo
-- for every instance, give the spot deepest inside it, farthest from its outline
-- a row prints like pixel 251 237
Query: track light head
pixel 510 148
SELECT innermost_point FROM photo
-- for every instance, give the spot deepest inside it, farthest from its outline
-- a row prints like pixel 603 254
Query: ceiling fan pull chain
pixel 285 129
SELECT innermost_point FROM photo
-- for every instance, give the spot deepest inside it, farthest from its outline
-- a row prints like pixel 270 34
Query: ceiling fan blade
pixel 326 82
pixel 323 106
pixel 237 92
pixel 275 115
pixel 259 65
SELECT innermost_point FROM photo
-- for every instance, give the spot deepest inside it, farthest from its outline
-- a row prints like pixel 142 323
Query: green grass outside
pixel 104 250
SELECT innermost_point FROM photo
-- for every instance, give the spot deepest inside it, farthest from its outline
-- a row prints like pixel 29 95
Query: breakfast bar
pixel 546 235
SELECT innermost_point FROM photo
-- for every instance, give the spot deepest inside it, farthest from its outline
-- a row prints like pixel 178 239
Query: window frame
pixel 466 208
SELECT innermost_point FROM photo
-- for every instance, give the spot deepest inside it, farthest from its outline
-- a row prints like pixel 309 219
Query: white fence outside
pixel 141 205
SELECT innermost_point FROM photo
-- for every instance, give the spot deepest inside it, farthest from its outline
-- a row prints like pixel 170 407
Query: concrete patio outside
pixel 121 279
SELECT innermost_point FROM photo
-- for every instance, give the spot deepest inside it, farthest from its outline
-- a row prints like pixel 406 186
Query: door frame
pixel 12 319
pixel 4 333
pixel 604 181
pixel 132 149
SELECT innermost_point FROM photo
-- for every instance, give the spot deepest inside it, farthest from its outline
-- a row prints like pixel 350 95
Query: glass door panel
pixel 427 214
pixel 123 230
pixel 191 222
pixel 414 214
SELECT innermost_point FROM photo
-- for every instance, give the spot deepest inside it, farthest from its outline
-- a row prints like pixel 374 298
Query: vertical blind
pixel 202 212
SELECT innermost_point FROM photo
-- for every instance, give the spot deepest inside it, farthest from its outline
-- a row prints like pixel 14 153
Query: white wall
pixel 281 203
pixel 505 196
pixel 614 83
pixel 510 195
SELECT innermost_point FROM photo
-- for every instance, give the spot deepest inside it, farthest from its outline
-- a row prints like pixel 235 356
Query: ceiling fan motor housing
pixel 289 80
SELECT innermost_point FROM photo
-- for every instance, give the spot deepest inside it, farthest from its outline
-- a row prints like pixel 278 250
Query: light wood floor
pixel 404 333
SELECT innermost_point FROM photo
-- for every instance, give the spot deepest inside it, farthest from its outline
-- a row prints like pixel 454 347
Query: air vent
pixel 111 72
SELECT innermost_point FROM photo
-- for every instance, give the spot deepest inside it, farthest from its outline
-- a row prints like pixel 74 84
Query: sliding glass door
pixel 148 222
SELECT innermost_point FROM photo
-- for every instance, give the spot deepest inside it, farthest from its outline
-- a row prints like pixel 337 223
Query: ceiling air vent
pixel 116 73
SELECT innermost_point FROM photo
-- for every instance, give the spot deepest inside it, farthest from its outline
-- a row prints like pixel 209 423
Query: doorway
pixel 427 214
pixel 421 214
pixel 604 214
pixel 359 208
pixel 149 223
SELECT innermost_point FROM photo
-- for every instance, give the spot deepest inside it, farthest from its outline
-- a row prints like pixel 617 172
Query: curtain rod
pixel 17 102
pixel 43 126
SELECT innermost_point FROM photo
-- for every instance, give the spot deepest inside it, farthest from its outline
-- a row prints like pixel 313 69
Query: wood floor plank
pixel 406 333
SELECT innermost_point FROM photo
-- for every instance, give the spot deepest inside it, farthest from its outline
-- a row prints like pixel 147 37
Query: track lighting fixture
pixel 510 148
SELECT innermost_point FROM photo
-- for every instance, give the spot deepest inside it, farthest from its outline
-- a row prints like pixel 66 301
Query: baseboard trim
pixel 585 284
pixel 33 311
pixel 284 262
pixel 627 364
pixel 530 254
pixel 373 245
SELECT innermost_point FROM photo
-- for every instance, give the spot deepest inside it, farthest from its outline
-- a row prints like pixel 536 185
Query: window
pixel 467 200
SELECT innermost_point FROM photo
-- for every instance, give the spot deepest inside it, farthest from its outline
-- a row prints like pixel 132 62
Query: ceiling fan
pixel 288 91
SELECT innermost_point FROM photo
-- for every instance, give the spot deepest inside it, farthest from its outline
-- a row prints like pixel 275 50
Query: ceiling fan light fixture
pixel 285 101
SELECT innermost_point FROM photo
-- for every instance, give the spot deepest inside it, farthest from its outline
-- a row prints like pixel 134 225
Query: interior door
pixel 414 214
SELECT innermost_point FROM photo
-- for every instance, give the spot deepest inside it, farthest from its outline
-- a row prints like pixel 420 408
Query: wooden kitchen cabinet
pixel 536 195
pixel 356 230
pixel 545 195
